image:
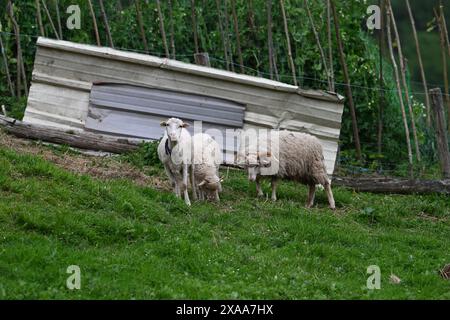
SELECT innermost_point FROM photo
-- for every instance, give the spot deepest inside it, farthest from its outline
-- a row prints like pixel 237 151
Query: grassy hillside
pixel 137 241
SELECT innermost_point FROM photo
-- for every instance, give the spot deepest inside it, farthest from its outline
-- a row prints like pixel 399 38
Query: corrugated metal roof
pixel 64 73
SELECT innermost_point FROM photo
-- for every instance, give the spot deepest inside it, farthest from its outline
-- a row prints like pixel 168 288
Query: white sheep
pixel 291 155
pixel 206 159
pixel 174 151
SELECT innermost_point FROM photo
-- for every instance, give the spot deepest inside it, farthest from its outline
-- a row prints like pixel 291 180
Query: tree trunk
pixel 39 18
pixel 405 84
pixel 441 134
pixel 5 62
pixel 330 47
pixel 162 28
pixel 419 57
pixel 394 186
pixel 194 26
pixel 399 90
pixel 137 6
pixel 238 37
pixel 288 41
pixel 105 21
pixel 319 46
pixel 83 140
pixel 50 19
pixel 94 23
pixel 348 87
pixel 58 19
pixel 172 32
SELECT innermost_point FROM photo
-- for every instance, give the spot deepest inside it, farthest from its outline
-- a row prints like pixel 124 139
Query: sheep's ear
pixel 163 124
pixel 184 125
pixel 202 183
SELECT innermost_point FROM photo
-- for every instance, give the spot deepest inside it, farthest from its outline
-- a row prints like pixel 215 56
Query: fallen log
pixel 394 185
pixel 77 139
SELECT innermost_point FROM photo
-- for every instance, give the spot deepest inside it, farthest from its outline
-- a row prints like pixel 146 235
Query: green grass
pixel 135 242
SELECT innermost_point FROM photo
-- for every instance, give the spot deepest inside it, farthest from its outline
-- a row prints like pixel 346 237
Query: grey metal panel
pixel 125 109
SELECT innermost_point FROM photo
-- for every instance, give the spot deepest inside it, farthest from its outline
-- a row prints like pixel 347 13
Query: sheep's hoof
pixel 274 199
pixel 260 195
pixel 333 208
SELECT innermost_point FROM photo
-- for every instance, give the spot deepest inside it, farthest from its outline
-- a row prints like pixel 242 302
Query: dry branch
pixel 94 22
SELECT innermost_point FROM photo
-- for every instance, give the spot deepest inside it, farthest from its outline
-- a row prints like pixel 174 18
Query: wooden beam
pixel 394 186
pixel 82 140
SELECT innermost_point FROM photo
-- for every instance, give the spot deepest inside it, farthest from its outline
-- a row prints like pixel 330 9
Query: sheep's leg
pixel 274 188
pixel 217 195
pixel 311 194
pixel 185 183
pixel 330 197
pixel 258 186
pixel 194 184
pixel 172 180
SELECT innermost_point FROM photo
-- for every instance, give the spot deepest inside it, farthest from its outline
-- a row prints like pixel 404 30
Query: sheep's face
pixel 210 186
pixel 174 127
pixel 255 162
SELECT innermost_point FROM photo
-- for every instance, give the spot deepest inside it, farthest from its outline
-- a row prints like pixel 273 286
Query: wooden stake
pixel 444 29
pixel 381 92
pixel 194 26
pixel 269 36
pixel 238 36
pixel 139 19
pixel 405 83
pixel 58 19
pixel 172 32
pixel 348 87
pixel 162 29
pixel 94 22
pixel 50 19
pixel 105 21
pixel 419 57
pixel 222 35
pixel 441 134
pixel 227 32
pixel 330 47
pixel 399 91
pixel 316 36
pixel 5 62
pixel 288 41
pixel 39 18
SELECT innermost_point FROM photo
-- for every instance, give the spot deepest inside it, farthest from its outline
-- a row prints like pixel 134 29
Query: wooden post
pixel 381 92
pixel 58 19
pixel 162 28
pixel 227 33
pixel 137 6
pixel 202 59
pixel 405 84
pixel 437 106
pixel 50 19
pixel 172 32
pixel 447 42
pixel 286 31
pixel 419 57
pixel 399 89
pixel 319 46
pixel 194 26
pixel 348 87
pixel 39 18
pixel 5 62
pixel 238 36
pixel 105 21
pixel 330 47
pixel 94 22
pixel 222 35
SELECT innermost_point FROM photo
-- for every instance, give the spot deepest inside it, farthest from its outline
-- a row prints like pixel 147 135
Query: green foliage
pixel 134 242
pixel 360 46
pixel 145 155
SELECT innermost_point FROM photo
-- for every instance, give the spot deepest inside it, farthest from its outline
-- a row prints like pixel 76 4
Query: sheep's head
pixel 174 126
pixel 255 162
pixel 210 185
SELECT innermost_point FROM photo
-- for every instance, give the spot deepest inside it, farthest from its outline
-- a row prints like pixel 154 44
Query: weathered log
pixel 77 139
pixel 392 185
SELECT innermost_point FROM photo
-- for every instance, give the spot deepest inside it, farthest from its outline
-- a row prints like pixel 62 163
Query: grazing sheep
pixel 174 151
pixel 295 156
pixel 206 159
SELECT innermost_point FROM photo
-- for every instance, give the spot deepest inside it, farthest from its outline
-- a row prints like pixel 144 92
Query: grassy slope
pixel 136 242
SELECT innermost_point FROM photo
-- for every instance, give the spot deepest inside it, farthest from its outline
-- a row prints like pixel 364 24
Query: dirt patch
pixel 101 167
